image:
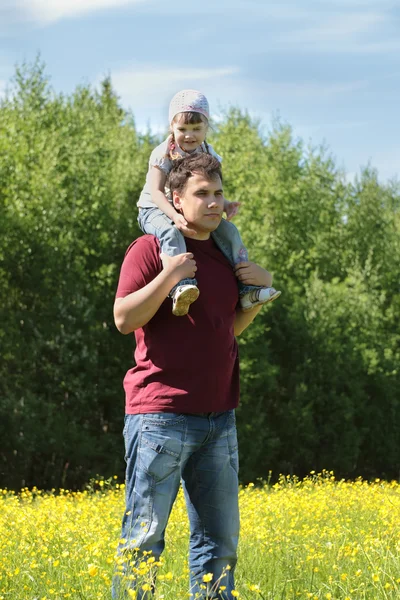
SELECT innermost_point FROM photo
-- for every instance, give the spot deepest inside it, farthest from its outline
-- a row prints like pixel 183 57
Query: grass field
pixel 317 538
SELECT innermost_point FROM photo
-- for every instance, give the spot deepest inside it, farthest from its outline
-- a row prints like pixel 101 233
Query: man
pixel 181 396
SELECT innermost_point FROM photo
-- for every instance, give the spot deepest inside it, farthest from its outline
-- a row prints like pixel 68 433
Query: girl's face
pixel 188 136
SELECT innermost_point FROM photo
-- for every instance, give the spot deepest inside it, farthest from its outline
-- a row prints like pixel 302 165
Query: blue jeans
pixel 172 242
pixel 163 449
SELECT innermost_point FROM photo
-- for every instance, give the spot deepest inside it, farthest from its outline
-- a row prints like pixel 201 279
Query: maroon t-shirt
pixel 184 364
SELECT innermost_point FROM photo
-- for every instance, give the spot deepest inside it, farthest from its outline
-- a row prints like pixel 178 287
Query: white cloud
pixel 148 89
pixel 49 11
pixel 151 79
pixel 144 87
pixel 341 32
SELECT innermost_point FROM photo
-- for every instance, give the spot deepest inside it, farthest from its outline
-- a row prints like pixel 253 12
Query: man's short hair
pixel 183 168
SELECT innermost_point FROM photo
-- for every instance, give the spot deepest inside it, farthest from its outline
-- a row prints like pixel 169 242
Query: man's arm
pixel 136 309
pixel 243 319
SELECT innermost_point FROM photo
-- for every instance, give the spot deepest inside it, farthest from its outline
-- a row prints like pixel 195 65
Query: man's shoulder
pixel 144 254
pixel 145 244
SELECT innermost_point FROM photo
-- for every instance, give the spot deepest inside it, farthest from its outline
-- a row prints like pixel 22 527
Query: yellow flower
pixel 387 586
pixel 146 587
pixel 132 594
pixel 93 570
pixel 375 577
pixel 208 577
pixel 235 594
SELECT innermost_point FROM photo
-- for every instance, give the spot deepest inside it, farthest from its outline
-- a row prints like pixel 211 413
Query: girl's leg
pixel 227 238
pixel 154 222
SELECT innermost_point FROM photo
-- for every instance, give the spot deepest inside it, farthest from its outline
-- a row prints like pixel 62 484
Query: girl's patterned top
pixel 159 158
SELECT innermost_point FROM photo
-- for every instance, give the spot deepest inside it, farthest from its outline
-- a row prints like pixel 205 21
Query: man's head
pixel 196 187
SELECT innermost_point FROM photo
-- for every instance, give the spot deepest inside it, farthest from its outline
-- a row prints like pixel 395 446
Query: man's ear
pixel 176 200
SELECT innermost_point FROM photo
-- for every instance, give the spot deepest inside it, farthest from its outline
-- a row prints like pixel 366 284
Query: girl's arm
pixel 157 185
pixel 231 209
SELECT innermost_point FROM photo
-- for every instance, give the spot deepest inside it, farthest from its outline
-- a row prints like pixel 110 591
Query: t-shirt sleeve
pixel 213 153
pixel 159 159
pixel 141 265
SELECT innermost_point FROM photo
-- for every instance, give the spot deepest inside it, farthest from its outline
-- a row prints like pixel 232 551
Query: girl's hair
pixel 189 118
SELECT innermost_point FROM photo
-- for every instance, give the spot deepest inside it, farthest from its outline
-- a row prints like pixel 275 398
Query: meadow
pixel 315 538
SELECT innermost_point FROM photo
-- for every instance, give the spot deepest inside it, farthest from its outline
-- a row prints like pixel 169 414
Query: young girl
pixel 188 118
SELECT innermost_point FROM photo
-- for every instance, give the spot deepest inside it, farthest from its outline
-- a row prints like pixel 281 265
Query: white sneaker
pixel 182 298
pixel 258 296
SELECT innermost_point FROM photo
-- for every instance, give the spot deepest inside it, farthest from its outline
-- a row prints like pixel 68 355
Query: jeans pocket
pixel 161 444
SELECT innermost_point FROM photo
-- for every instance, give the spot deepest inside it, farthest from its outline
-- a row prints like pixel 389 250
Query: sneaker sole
pixel 184 301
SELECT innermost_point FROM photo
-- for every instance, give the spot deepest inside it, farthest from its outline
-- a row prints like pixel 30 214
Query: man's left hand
pixel 251 274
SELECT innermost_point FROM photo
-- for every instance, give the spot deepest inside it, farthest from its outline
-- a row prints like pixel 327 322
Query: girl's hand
pixel 182 225
pixel 251 274
pixel 231 209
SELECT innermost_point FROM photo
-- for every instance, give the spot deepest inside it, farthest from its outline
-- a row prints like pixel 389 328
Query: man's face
pixel 202 204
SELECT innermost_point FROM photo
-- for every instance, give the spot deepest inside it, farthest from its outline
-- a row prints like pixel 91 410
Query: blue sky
pixel 330 68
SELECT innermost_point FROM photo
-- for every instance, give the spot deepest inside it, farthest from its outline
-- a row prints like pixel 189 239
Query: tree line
pixel 320 383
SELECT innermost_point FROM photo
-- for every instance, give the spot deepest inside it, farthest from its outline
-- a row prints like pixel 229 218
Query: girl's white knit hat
pixel 188 101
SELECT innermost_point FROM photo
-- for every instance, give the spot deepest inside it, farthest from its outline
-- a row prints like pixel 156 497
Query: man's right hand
pixel 182 225
pixel 181 266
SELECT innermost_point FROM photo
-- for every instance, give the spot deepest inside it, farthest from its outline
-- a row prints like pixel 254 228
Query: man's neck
pixel 199 235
